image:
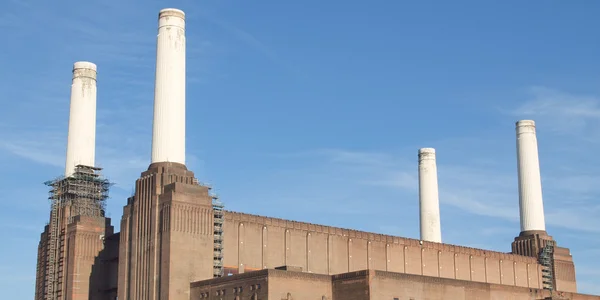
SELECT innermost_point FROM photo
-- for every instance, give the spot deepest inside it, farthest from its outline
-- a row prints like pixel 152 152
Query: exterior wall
pixel 299 286
pixel 85 241
pixel 386 285
pixel 264 284
pixel 41 268
pixel 80 242
pixel 564 270
pixel 351 286
pixel 186 238
pixel 362 285
pixel 254 242
pixel 167 235
pixel 105 269
pixel 227 288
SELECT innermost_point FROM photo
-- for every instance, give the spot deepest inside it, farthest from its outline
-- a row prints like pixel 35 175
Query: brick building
pixel 177 242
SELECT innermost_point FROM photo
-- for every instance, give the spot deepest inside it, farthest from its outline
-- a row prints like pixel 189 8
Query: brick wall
pixel 255 242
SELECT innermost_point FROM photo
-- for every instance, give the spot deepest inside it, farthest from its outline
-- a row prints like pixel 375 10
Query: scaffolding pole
pixel 82 194
pixel 218 236
pixel 52 253
pixel 546 259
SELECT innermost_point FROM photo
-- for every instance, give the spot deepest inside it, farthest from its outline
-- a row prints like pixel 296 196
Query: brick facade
pixel 362 285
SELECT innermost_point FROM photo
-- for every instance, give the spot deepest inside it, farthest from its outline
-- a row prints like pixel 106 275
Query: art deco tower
pixel 167 226
pixel 557 263
pixel 74 236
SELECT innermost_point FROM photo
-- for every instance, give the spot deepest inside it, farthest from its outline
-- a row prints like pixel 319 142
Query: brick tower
pixel 557 263
pixel 75 232
pixel 167 236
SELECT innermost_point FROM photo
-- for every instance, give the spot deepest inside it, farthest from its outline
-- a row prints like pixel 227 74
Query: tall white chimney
pixel 81 142
pixel 429 204
pixel 530 184
pixel 168 129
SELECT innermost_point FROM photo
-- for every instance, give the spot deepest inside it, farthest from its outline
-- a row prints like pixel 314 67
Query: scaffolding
pixel 546 259
pixel 218 219
pixel 218 236
pixel 82 194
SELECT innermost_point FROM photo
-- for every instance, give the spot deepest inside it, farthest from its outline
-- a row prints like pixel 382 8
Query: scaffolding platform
pixel 82 194
pixel 546 259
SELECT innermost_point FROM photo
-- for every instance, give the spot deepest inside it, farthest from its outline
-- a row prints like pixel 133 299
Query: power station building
pixel 176 241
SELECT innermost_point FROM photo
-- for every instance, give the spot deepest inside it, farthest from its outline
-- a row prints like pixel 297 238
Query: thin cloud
pixel 563 113
pixel 33 151
pixel 482 191
pixel 249 39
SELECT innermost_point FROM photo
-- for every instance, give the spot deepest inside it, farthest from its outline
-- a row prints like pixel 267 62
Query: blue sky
pixel 314 111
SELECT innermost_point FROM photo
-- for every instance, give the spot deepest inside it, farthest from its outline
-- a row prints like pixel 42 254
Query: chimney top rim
pixel 84 65
pixel 525 123
pixel 427 150
pixel 171 12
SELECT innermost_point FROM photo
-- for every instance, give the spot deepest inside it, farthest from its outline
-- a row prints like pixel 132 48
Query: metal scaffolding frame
pixel 218 211
pixel 82 194
pixel 218 220
pixel 546 259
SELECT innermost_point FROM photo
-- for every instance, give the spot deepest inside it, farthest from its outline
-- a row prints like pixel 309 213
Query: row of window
pixel 236 290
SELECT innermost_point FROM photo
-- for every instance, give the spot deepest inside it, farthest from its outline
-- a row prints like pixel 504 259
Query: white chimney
pixel 530 184
pixel 168 131
pixel 429 203
pixel 81 142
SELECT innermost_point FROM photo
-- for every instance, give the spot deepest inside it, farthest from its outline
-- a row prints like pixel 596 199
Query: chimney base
pixel 167 166
pixel 530 243
pixel 556 261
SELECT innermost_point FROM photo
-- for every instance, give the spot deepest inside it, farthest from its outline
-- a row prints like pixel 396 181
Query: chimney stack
pixel 81 141
pixel 168 128
pixel 530 184
pixel 429 203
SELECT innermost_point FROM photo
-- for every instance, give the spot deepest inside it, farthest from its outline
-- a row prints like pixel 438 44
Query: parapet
pixel 355 234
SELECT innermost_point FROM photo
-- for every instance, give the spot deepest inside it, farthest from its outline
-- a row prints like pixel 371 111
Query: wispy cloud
pixel 33 150
pixel 467 188
pixel 564 113
pixel 475 189
pixel 248 39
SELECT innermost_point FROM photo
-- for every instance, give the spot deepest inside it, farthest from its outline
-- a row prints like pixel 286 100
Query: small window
pixel 258 286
